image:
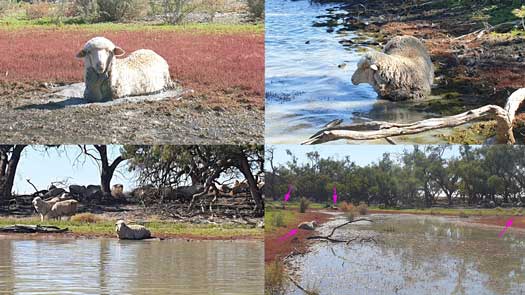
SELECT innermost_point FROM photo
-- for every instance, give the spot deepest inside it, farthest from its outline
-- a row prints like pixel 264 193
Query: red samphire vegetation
pixel 201 61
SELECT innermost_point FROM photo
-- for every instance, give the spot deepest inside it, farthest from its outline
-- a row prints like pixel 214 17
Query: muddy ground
pixel 30 114
pixel 476 63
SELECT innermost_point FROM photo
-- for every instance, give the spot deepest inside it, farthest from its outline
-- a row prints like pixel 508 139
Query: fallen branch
pixel 329 237
pixel 26 229
pixel 376 129
pixel 300 287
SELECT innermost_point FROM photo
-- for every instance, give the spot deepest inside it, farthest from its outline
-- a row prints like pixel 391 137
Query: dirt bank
pixel 29 117
pixel 274 248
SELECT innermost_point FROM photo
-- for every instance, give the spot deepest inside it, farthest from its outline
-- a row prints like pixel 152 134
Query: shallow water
pixel 305 86
pixel 418 255
pixel 130 267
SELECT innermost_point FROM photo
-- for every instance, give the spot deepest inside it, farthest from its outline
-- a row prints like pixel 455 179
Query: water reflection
pixel 420 255
pixel 117 267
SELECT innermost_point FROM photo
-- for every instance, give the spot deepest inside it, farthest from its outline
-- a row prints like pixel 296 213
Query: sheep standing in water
pixel 402 71
pixel 132 231
pixel 106 77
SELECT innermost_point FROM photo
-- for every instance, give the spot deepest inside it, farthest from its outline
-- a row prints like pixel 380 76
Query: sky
pixel 43 167
pixel 360 154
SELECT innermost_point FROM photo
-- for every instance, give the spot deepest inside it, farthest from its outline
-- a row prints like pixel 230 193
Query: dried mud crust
pixel 198 118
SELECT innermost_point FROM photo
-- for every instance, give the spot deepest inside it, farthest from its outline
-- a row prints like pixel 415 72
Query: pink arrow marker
pixel 288 235
pixel 509 224
pixel 287 196
pixel 335 195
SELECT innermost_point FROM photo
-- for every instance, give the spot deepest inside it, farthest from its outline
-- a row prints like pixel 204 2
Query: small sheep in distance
pixel 66 208
pixel 402 71
pixel 44 207
pixel 106 77
pixel 131 232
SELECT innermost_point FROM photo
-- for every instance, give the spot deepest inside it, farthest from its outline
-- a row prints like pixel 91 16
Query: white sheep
pixel 131 232
pixel 44 207
pixel 66 208
pixel 402 71
pixel 106 77
pixel 117 191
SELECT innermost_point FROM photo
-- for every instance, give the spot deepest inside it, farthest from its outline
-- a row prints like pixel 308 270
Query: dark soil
pixel 195 118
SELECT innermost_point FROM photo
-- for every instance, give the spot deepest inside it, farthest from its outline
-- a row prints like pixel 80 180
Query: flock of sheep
pixel 59 207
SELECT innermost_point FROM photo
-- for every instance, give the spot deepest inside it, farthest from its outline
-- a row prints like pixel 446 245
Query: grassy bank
pixel 13 23
pixel 167 229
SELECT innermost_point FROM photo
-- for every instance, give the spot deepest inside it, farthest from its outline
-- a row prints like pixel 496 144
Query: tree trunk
pixel 254 190
pixel 107 170
pixel 8 172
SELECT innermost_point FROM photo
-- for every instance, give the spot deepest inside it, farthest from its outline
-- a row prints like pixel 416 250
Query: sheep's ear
pixel 374 67
pixel 81 54
pixel 118 51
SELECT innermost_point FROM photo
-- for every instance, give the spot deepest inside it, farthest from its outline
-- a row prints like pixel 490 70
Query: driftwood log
pixel 377 129
pixel 27 229
pixel 333 240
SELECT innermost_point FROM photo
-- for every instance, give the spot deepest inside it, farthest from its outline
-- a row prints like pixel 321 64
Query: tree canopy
pixel 421 177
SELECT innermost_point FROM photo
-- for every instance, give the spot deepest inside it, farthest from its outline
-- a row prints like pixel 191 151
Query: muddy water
pixel 418 255
pixel 308 77
pixel 117 267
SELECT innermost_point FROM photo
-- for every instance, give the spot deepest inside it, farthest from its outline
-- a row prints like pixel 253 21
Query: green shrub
pixel 278 220
pixel 38 11
pixel 119 10
pixel 304 203
pixel 275 281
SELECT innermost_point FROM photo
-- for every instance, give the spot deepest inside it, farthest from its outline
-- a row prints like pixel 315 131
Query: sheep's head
pixel 366 69
pixel 120 223
pixel 98 54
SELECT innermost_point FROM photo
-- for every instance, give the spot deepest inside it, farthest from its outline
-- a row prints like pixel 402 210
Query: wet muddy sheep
pixel 402 71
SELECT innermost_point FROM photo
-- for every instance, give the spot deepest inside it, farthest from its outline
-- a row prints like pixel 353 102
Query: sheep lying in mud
pixel 106 77
pixel 402 71
pixel 132 231
pixel 66 208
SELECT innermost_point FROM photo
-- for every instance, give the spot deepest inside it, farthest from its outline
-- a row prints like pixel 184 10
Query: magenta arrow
pixel 287 196
pixel 509 224
pixel 335 195
pixel 288 235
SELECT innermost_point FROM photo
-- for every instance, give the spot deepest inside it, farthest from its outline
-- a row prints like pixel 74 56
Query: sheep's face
pixel 119 224
pixel 365 72
pixel 36 201
pixel 98 54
